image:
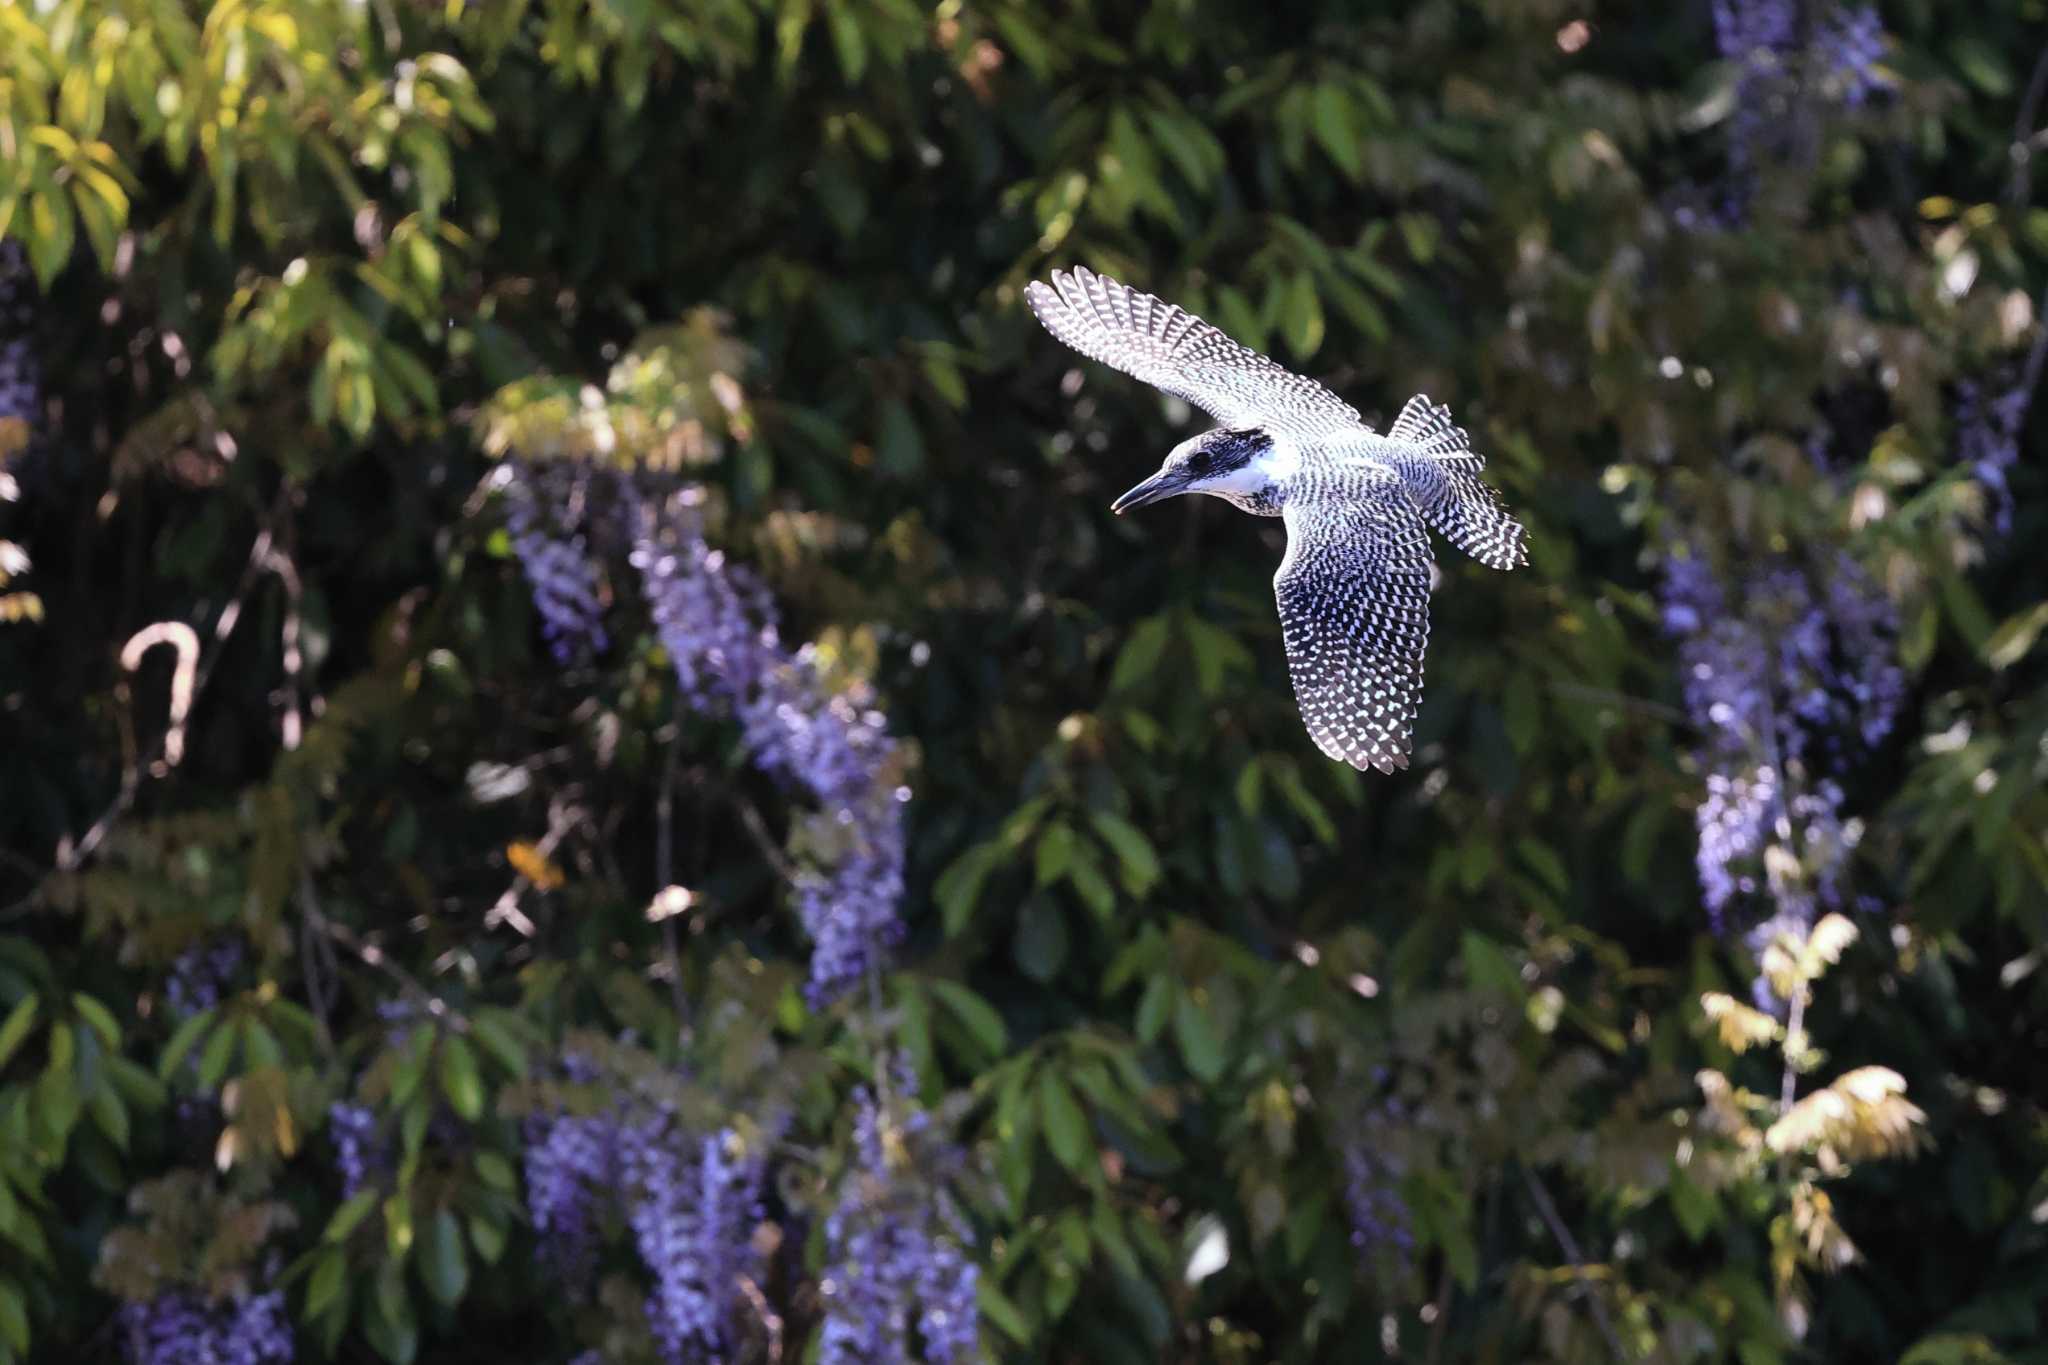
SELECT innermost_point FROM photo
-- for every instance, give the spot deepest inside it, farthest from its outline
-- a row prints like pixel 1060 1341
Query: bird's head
pixel 1220 461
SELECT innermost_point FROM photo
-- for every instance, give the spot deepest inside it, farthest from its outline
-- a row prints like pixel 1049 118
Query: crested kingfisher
pixel 1354 584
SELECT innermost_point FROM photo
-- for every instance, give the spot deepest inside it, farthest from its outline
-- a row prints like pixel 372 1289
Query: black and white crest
pixel 1353 589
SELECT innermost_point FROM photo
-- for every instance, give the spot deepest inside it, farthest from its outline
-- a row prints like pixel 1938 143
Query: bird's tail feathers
pixel 1442 474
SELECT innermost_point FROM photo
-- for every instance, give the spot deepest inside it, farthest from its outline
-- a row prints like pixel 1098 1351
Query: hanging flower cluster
pixel 1782 60
pixel 20 376
pixel 691 1197
pixel 1790 680
pixel 1381 1229
pixel 718 626
pixel 560 573
pixel 1988 442
pixel 184 1329
pixel 894 1244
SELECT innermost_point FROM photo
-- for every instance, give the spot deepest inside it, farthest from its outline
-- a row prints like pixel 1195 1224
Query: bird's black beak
pixel 1160 485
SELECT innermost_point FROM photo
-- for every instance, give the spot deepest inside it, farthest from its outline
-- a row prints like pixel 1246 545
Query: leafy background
pixel 420 942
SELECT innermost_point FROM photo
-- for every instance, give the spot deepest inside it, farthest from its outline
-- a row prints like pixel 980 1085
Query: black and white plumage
pixel 1353 589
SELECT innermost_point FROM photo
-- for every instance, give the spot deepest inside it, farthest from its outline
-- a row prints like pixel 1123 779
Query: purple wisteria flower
pixel 180 1328
pixel 892 1243
pixel 1372 1201
pixel 200 973
pixel 1988 442
pixel 357 1154
pixel 1790 682
pixel 718 627
pixel 1381 1230
pixel 1783 67
pixel 570 1161
pixel 1850 41
pixel 691 1199
pixel 1751 30
pixel 694 1205
pixel 20 375
pixel 560 573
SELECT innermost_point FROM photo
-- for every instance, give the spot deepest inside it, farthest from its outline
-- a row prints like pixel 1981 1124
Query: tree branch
pixel 2021 183
pixel 664 877
pixel 373 955
pixel 1563 1234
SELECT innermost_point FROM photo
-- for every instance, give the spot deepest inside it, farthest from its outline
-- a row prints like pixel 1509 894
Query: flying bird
pixel 1353 587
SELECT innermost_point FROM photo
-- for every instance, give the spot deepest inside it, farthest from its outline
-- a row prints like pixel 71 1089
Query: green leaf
pixel 350 1215
pixel 460 1080
pixel 1153 1008
pixel 99 1017
pixel 51 231
pixel 1041 942
pixel 1697 1211
pixel 1335 129
pixel 1545 863
pixel 1136 860
pixel 1217 651
pixel 494 1170
pixel 899 446
pixel 1966 610
pixel 1066 1127
pixel 1982 64
pixel 399 1234
pixel 15 1031
pixel 1055 852
pixel 390 1327
pixel 329 1282
pixel 488 1237
pixel 959 886
pixel 1201 1047
pixel 1139 659
pixel 109 1115
pixel 998 1309
pixel 13 1317
pixel 444 1258
pixel 975 1014
pixel 1093 887
pixel 496 1031
pixel 1488 968
pixel 2014 639
pixel 260 1045
pixel 218 1053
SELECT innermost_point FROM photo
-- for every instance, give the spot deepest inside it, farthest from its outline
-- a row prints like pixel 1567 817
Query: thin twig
pixel 1565 1240
pixel 372 955
pixel 2037 354
pixel 1442 1326
pixel 561 819
pixel 665 875
pixel 769 1319
pixel 757 827
pixel 1621 699
pixel 290 647
pixel 2021 184
pixel 1795 1022
pixel 320 974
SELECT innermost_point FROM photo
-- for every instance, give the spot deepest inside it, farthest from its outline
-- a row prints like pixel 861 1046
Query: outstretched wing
pixel 1442 472
pixel 1172 349
pixel 1354 613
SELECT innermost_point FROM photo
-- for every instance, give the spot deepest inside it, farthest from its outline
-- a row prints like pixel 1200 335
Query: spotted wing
pixel 1173 350
pixel 1354 613
pixel 1436 458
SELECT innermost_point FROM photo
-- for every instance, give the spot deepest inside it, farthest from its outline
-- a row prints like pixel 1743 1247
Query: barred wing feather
pixel 1175 351
pixel 1437 461
pixel 1354 614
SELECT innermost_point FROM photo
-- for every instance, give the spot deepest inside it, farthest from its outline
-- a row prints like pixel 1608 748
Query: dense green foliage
pixel 1180 988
